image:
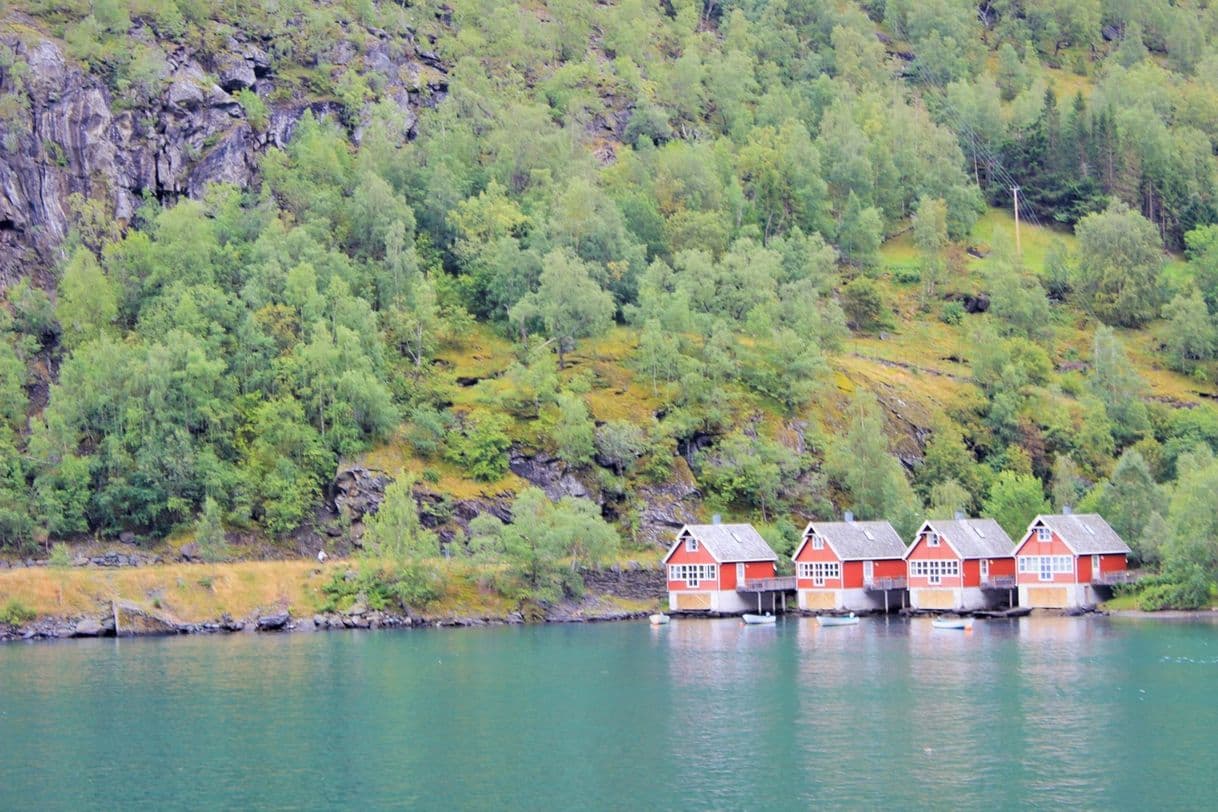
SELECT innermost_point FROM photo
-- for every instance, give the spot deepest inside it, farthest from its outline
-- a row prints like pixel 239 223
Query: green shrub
pixel 864 305
pixel 952 313
pixel 60 557
pixel 482 448
pixel 255 109
pixel 418 585
pixel 15 613
pixel 907 275
pixel 413 585
pixel 1183 586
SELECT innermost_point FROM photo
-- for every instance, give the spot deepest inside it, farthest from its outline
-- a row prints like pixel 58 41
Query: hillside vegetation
pixel 746 257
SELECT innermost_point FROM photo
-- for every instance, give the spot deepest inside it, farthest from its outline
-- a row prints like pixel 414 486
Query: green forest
pixel 760 252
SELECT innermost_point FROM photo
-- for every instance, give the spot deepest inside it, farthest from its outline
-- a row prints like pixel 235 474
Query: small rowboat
pixel 759 620
pixel 837 620
pixel 957 623
pixel 658 619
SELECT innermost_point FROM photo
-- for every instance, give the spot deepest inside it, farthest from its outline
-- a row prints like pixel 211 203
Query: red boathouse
pixel 850 565
pixel 960 564
pixel 708 563
pixel 1063 558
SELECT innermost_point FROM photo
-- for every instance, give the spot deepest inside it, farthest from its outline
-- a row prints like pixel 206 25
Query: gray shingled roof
pixel 855 540
pixel 974 538
pixel 730 542
pixel 1084 533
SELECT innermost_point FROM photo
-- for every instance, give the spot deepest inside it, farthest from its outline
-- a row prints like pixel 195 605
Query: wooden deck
pixel 1117 577
pixel 999 582
pixel 785 583
pixel 885 584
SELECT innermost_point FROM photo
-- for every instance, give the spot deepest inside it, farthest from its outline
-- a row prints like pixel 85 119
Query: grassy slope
pixel 193 593
pixel 918 369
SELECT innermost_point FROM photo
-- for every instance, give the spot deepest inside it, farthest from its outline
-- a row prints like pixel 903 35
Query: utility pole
pixel 1018 247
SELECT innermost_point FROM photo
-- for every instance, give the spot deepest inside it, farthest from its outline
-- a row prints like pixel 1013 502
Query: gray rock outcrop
pixel 78 138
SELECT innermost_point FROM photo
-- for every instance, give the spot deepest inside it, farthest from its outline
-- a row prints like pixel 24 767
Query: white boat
pixel 759 620
pixel 658 619
pixel 957 623
pixel 837 620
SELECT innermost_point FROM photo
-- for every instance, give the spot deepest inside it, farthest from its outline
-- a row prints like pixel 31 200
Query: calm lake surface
pixel 1043 712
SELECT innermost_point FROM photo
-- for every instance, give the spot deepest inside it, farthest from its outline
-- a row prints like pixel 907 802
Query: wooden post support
pixel 885 601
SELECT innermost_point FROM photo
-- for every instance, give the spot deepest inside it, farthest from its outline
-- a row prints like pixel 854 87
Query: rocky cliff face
pixel 78 137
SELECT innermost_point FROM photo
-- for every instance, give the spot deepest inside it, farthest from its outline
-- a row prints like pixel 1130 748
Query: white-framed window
pixel 1044 534
pixel 692 574
pixel 820 571
pixel 934 571
pixel 932 539
pixel 818 543
pixel 1046 566
pixel 691 545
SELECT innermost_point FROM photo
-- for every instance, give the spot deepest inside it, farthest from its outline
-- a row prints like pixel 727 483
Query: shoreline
pixel 1166 614
pixel 136 622
pixel 598 609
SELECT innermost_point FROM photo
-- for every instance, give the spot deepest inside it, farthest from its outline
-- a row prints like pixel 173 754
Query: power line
pixel 994 166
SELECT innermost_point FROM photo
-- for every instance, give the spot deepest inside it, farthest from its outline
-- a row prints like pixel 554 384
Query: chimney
pixel 848 515
pixel 1067 510
pixel 716 519
pixel 959 515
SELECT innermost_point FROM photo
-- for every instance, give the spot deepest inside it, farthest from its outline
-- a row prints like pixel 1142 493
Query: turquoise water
pixel 1047 713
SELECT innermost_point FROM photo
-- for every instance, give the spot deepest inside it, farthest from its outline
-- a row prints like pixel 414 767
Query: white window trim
pixel 1046 567
pixel 1044 534
pixel 934 570
pixel 932 539
pixel 692 575
pixel 691 545
pixel 820 571
pixel 818 543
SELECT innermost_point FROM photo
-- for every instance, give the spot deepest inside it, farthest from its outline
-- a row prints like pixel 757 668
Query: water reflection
pixel 1052 712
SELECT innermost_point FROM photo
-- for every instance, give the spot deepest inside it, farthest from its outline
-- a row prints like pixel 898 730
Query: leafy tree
pixel 394 532
pixel 861 463
pixel 1014 501
pixel 1117 384
pixel 574 434
pixel 1016 296
pixel 1068 483
pixel 541 536
pixel 864 305
pixel 568 304
pixel 860 232
pixel 1128 499
pixel 948 498
pixel 209 532
pixel 752 471
pixel 947 458
pixel 1191 335
pixel 88 302
pixel 1119 260
pixel 620 443
pixel 284 466
pixel 13 401
pixel 482 448
pixel 930 236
